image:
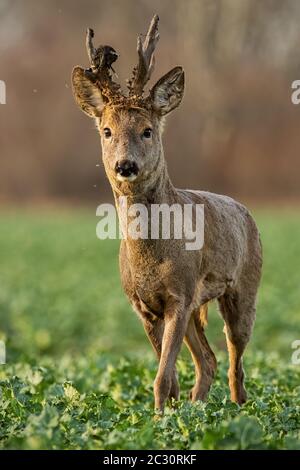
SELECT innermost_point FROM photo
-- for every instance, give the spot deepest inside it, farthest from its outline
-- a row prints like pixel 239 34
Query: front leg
pixel 175 327
pixel 154 328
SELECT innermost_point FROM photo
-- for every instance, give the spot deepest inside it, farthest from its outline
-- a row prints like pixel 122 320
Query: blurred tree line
pixel 236 132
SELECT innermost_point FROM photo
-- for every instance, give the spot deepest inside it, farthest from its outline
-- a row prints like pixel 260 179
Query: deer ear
pixel 86 93
pixel 167 93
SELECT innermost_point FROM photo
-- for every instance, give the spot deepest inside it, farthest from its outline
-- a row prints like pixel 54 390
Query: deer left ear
pixel 167 93
pixel 86 93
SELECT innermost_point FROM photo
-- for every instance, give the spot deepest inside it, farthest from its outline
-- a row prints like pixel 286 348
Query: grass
pixel 79 369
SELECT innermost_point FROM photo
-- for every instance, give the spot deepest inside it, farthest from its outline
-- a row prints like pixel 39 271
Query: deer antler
pixel 101 60
pixel 143 70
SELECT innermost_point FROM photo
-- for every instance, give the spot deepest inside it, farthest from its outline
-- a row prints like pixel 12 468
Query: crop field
pixel 79 369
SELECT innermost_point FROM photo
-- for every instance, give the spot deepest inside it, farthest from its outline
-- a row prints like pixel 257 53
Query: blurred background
pixel 237 132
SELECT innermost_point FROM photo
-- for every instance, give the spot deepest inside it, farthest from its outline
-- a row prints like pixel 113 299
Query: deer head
pixel 130 125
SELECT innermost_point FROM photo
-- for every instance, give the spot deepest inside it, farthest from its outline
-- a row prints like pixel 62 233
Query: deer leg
pixel 239 315
pixel 154 329
pixel 174 331
pixel 203 357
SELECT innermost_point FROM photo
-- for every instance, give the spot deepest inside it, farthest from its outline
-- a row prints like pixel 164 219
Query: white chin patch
pixel 126 178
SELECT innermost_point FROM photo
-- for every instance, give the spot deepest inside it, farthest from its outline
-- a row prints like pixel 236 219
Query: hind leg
pixel 238 311
pixel 203 357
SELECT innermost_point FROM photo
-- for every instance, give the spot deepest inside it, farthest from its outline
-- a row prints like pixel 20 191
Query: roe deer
pixel 168 286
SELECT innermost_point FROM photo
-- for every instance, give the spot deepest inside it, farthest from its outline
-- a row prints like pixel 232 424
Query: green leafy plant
pixel 79 369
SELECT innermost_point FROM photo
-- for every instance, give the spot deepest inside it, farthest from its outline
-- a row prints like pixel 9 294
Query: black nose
pixel 126 168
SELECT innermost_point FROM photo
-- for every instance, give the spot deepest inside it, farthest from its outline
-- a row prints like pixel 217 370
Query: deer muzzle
pixel 126 170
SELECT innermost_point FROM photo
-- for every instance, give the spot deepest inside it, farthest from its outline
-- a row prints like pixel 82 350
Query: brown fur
pixel 168 286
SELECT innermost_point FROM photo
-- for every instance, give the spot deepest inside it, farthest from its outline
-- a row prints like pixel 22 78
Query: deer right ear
pixel 86 93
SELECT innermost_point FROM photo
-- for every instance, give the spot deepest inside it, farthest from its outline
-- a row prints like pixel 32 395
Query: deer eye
pixel 107 132
pixel 147 133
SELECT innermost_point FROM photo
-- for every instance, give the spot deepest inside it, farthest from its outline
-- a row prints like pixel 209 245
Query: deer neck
pixel 157 190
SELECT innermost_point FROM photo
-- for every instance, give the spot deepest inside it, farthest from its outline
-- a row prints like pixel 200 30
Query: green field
pixel 79 368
